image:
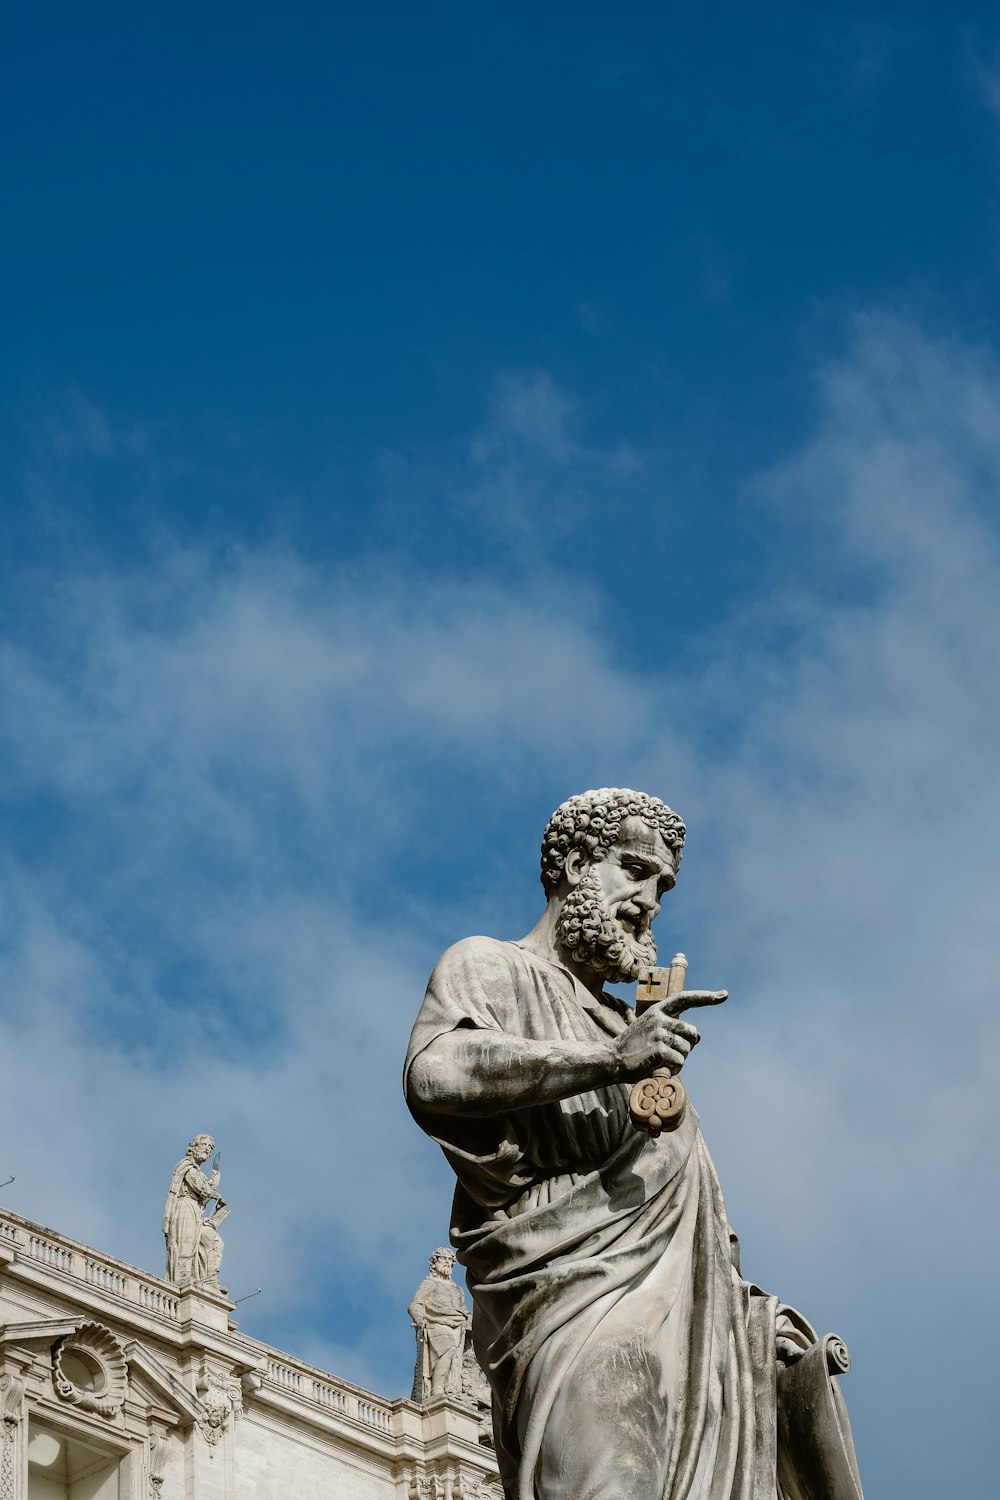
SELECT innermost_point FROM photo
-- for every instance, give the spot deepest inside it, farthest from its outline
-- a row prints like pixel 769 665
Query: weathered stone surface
pixel 194 1245
pixel 151 1393
pixel 629 1359
pixel 441 1320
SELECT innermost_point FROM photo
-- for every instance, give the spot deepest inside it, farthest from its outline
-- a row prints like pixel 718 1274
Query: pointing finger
pixel 690 999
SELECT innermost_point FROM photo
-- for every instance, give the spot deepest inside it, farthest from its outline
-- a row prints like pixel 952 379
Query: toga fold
pixel 627 1357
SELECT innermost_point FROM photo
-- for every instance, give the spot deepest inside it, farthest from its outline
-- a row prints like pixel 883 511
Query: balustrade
pixel 105 1275
pixel 328 1395
pixel 49 1254
pixel 373 1416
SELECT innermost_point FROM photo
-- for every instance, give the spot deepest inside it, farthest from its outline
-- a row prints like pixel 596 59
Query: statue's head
pixel 201 1148
pixel 608 857
pixel 442 1262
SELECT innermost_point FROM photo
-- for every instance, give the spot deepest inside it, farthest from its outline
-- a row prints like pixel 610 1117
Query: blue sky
pixel 414 415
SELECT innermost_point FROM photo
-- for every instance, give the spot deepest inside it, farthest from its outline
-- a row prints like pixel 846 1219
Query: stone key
pixel 659 1103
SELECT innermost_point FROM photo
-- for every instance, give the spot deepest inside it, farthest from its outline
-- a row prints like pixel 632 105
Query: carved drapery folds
pixel 441 1320
pixel 89 1370
pixel 194 1245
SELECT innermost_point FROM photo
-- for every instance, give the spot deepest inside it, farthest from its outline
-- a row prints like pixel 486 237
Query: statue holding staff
pixel 441 1318
pixel 628 1357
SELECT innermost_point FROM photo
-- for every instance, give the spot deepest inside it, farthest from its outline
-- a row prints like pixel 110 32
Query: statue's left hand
pixel 790 1341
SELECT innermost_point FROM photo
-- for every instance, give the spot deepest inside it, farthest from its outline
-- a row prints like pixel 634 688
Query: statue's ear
pixel 574 866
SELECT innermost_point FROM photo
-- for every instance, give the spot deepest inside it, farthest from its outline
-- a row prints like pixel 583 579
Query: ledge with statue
pixel 145 1383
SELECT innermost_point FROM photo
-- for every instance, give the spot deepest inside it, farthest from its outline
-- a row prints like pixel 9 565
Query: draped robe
pixel 628 1359
pixel 193 1244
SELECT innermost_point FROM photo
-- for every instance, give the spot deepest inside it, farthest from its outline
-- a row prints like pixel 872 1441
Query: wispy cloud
pixel 530 467
pixel 250 797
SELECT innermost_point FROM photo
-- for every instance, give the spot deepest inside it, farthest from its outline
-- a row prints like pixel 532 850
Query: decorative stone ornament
pixel 221 1398
pixel 89 1370
pixel 159 1450
pixel 12 1390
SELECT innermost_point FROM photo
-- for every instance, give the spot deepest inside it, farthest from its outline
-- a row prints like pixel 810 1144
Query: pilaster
pixel 13 1450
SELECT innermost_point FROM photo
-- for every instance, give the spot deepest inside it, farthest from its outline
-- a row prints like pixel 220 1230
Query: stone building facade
pixel 118 1385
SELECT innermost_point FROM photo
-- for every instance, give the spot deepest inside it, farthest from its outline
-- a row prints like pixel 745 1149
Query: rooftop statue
pixel 194 1245
pixel 441 1318
pixel 628 1357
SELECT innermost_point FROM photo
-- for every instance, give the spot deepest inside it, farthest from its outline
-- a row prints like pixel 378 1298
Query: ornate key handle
pixel 660 1102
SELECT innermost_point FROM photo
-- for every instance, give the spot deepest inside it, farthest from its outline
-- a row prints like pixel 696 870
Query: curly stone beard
pixel 592 935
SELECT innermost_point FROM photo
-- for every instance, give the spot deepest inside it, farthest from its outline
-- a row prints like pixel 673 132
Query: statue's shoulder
pixel 481 953
pixel 478 970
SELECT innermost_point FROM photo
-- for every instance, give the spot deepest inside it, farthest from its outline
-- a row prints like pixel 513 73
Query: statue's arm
pixel 481 1072
pixel 418 1305
pixel 201 1186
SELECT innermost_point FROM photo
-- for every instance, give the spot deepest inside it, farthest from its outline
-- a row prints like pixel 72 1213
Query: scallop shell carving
pixel 96 1346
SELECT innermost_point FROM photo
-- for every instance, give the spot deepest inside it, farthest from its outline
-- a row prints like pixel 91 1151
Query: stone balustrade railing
pixel 310 1384
pixel 115 1279
pixel 102 1272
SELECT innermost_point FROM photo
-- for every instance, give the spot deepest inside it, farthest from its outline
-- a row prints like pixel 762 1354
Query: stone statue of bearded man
pixel 627 1357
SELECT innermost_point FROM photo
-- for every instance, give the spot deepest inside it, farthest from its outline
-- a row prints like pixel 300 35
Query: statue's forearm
pixel 489 1072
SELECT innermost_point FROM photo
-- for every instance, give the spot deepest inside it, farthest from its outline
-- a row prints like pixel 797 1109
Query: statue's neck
pixel 543 941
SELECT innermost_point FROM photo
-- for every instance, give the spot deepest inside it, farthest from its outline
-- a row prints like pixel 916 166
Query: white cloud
pixel 248 769
pixel 853 866
pixel 238 774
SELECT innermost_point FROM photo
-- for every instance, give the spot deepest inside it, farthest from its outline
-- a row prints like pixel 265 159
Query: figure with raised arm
pixel 194 1245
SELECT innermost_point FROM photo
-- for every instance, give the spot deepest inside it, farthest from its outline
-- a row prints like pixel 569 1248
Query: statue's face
pixel 441 1265
pixel 202 1148
pixel 606 919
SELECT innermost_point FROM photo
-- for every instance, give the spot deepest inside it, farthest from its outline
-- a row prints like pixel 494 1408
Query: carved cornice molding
pixel 446 1480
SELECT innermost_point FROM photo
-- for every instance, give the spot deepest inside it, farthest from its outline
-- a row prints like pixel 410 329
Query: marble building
pixel 116 1384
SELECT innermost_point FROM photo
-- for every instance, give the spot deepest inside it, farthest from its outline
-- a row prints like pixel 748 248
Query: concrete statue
pixel 628 1357
pixel 441 1319
pixel 194 1245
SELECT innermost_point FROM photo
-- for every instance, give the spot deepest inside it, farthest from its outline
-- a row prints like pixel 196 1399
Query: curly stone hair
pixel 593 820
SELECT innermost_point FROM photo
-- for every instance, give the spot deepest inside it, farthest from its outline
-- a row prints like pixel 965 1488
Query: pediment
pixel 152 1381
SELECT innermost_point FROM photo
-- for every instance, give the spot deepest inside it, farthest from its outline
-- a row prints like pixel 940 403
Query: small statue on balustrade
pixel 194 1245
pixel 441 1319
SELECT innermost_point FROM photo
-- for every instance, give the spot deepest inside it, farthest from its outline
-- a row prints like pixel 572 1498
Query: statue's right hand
pixel 658 1039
